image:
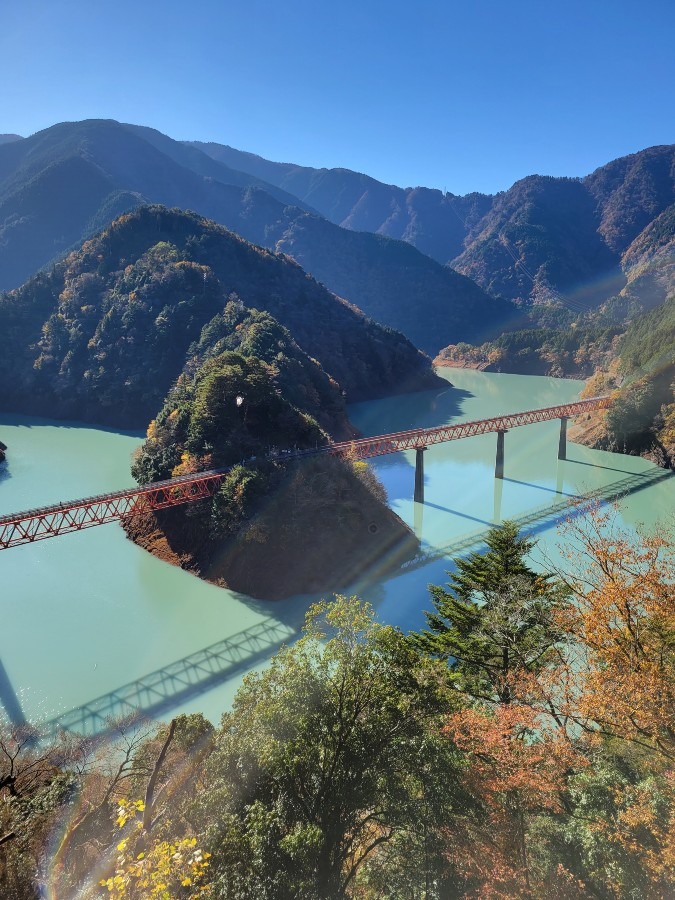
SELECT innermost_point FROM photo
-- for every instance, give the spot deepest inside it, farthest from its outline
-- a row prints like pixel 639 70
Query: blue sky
pixel 461 96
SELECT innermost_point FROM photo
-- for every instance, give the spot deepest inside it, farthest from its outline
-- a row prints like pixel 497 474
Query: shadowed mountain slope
pixel 433 222
pixel 105 334
pixel 544 239
pixel 394 283
pixel 65 183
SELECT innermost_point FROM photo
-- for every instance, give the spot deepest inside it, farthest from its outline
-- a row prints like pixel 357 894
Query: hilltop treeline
pixel 521 745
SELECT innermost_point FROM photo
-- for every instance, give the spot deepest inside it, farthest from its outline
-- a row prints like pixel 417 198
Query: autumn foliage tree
pixel 518 767
pixel 622 621
pixel 496 625
pixel 620 692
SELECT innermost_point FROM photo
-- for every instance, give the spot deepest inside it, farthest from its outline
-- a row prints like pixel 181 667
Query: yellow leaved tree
pixel 165 870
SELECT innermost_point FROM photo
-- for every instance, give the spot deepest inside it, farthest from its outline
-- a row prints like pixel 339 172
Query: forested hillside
pixel 104 334
pixel 563 239
pixel 69 181
pixel 541 237
pixel 642 380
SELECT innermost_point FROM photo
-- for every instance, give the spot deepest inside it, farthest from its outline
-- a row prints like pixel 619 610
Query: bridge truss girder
pixel 50 521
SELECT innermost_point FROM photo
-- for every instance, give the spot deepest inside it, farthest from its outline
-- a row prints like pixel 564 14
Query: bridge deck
pixel 74 515
pixel 423 437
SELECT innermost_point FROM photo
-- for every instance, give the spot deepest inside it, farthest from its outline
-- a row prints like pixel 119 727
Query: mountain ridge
pixel 106 332
pixel 59 186
pixel 510 242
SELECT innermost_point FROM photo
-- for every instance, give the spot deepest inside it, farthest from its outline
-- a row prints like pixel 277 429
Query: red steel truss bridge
pixel 75 515
pixel 420 438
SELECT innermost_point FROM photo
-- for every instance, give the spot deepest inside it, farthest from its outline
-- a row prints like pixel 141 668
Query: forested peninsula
pixel 236 357
pixel 276 526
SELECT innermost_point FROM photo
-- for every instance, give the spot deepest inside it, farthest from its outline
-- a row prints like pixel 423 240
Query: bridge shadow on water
pixel 164 689
pixel 581 462
pixel 456 512
pixel 546 516
pixel 541 487
pixel 10 701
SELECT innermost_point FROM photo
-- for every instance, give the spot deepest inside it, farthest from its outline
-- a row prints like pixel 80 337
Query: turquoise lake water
pixel 93 626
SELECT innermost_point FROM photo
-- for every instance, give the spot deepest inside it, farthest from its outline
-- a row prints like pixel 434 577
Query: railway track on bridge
pixel 75 515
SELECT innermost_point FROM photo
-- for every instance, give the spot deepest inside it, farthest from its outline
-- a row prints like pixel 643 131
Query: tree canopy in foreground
pixel 364 763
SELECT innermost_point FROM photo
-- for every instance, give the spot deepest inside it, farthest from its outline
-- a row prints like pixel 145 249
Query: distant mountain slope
pixel 204 165
pixel 434 222
pixel 105 334
pixel 539 239
pixel 63 184
pixel 544 238
pixel 394 283
pixel 627 345
pixel 563 239
pixel 631 192
pixel 582 343
pixel 9 138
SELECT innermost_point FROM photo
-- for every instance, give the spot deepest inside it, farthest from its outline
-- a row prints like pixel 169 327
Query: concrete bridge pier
pixel 499 462
pixel 419 474
pixel 562 443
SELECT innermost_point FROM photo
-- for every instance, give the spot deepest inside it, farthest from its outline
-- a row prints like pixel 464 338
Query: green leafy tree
pixel 327 756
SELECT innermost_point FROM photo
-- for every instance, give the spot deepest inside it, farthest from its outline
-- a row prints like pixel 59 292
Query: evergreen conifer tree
pixel 494 620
